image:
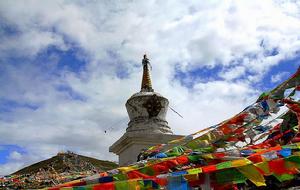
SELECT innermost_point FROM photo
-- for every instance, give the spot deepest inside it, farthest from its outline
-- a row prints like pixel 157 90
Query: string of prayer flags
pixel 260 143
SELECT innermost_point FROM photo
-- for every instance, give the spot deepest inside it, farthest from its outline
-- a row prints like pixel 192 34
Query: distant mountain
pixel 68 162
pixel 59 169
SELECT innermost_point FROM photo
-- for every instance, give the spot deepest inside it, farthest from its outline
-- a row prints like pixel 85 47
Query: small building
pixel 148 126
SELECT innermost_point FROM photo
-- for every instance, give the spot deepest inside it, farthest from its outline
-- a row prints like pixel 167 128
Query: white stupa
pixel 147 112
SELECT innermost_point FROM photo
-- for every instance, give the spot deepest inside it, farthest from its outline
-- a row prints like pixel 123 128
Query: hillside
pixel 66 162
pixel 61 168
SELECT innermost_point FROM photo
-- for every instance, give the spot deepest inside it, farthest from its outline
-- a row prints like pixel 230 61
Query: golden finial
pixel 146 80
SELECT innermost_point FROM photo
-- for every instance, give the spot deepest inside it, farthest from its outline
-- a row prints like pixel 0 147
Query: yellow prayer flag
pixel 208 136
pixel 240 162
pixel 207 156
pixel 133 185
pixel 72 182
pixel 264 166
pixel 296 153
pixel 194 171
pixel 252 174
pixel 125 169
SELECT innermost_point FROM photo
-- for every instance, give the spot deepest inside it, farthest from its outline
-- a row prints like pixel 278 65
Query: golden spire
pixel 146 81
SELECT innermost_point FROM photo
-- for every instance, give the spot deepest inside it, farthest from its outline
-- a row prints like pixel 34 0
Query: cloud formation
pixel 67 68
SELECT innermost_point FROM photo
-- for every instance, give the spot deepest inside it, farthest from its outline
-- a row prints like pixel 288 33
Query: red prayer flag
pixel 225 129
pixel 53 188
pixel 255 158
pixel 170 163
pixel 182 160
pixel 160 168
pixel 277 166
pixel 210 168
pixel 219 155
pixel 136 174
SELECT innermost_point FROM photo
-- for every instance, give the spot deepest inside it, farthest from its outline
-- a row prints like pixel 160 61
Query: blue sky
pixel 67 68
pixel 7 152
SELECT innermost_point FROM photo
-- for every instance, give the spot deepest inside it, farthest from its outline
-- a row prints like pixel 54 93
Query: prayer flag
pixel 194 171
pixel 252 174
pixel 230 176
pixel 224 165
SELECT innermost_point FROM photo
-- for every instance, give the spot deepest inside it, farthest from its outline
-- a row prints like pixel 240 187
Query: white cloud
pixel 279 76
pixel 9 167
pixel 237 36
pixel 15 155
pixel 233 73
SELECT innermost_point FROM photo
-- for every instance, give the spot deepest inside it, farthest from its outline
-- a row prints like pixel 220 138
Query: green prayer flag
pixel 230 175
pixel 119 177
pixel 291 146
pixel 263 95
pixel 293 159
pixel 176 151
pixel 224 165
pixel 147 170
pixel 193 158
pixel 284 177
pixel 208 149
pixel 142 185
pixel 86 187
pixel 121 185
pixel 193 144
